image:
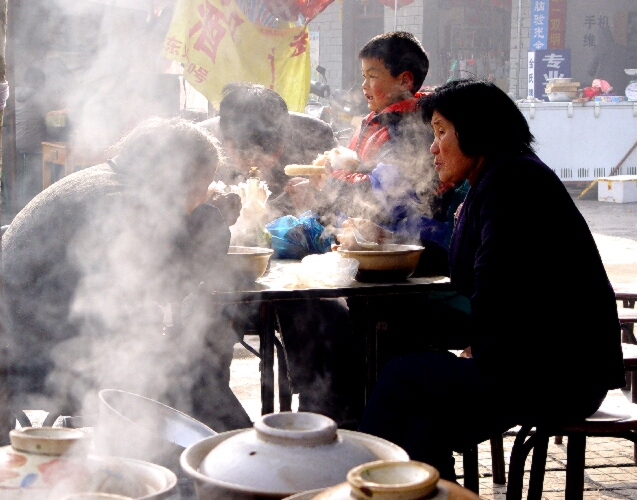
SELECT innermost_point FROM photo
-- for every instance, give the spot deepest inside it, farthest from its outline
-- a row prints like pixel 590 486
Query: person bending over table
pixel 88 262
pixel 257 130
pixel 544 333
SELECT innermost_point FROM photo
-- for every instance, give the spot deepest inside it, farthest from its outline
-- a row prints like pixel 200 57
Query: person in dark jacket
pixel 257 130
pixel 91 261
pixel 544 333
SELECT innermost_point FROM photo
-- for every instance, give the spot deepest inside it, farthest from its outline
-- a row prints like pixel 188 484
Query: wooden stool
pixel 627 318
pixel 630 365
pixel 616 418
pixel 470 464
pixel 626 292
pixel 629 352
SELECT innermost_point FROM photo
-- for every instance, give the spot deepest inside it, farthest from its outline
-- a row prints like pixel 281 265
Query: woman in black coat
pixel 544 334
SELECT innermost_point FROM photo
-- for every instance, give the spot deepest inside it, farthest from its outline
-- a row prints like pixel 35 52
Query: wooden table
pixel 270 290
pixel 626 292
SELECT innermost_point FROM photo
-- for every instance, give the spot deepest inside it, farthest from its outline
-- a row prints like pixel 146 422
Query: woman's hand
pixel 229 204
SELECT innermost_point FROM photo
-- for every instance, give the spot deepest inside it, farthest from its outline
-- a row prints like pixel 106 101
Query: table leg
pixel 46 174
pixel 266 350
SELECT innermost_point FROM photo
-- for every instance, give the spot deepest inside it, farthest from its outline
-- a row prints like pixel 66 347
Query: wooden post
pixel 7 116
pixel 5 415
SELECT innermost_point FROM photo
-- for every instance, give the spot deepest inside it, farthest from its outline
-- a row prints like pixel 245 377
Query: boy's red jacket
pixel 374 137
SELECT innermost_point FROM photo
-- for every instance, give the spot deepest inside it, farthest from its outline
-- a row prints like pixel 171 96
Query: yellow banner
pixel 217 44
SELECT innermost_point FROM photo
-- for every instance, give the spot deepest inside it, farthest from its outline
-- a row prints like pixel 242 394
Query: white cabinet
pixel 583 141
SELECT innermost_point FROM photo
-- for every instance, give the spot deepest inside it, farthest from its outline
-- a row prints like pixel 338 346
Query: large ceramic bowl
pixel 249 262
pixel 389 262
pixel 51 463
pixel 285 453
pixel 133 426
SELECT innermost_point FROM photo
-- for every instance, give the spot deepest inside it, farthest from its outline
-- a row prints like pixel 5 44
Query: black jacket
pixel 543 311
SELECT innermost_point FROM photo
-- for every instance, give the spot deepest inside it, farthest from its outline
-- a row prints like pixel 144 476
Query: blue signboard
pixel 539 24
pixel 544 65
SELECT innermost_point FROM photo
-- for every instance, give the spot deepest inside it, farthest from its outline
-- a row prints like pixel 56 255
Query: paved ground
pixel 610 469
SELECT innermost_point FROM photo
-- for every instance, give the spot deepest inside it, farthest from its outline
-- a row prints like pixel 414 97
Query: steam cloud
pixel 120 343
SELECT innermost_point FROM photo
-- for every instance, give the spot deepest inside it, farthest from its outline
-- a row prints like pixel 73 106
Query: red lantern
pixel 289 10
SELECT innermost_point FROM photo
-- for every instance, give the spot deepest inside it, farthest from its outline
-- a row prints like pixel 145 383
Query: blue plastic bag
pixel 294 238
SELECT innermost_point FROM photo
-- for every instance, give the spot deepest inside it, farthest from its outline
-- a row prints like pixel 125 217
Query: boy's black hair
pixel 487 121
pixel 399 51
pixel 253 117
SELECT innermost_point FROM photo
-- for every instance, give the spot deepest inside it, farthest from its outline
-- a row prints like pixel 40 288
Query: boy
pixel 394 67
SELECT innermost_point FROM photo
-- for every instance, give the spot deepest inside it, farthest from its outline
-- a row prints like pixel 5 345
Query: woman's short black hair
pixel 487 121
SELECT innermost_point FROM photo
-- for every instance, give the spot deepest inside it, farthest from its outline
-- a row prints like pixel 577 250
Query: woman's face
pixel 451 163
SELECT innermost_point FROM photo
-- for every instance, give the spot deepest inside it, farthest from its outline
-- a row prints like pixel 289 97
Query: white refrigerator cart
pixel 584 141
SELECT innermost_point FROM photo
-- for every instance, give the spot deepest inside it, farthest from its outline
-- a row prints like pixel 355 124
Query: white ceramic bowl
pixel 561 96
pixel 249 262
pixel 631 71
pixel 284 454
pixel 389 263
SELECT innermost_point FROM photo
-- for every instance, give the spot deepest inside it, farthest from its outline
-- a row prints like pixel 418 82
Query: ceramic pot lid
pixel 287 452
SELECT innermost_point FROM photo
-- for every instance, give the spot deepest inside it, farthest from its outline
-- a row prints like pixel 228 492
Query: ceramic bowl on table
pixel 249 262
pixel 562 96
pixel 390 262
pixel 283 454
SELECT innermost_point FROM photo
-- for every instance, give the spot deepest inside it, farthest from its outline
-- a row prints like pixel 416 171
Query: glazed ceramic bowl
pixel 249 262
pixel 392 480
pixel 285 453
pixel 51 463
pixel 389 262
pixel 133 426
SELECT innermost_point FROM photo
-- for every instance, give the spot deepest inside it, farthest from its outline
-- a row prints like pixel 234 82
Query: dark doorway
pixel 362 20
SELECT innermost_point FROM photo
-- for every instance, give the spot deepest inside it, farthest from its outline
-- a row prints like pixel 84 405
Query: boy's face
pixel 381 88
